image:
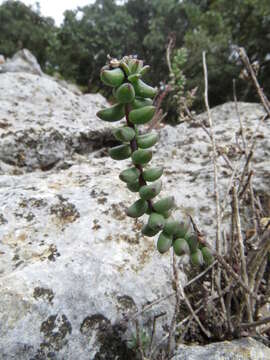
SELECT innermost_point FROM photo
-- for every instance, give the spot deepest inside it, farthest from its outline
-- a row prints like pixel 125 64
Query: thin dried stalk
pixel 154 330
pixel 246 168
pixel 221 260
pixel 255 219
pixel 239 235
pixel 213 140
pixel 222 302
pixel 177 286
pixel 263 321
pixel 246 62
pixel 242 129
pixel 230 271
pixel 257 257
pixel 265 299
pixel 206 332
pixel 266 227
pixel 158 301
pixel 246 185
pixel 225 200
pixel 138 338
pixel 241 251
pixel 190 317
pixel 216 187
pixel 169 51
pixel 228 301
pixel 260 274
pixel 227 161
pixel 184 332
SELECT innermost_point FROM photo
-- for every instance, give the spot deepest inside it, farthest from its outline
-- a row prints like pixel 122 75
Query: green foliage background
pixel 78 48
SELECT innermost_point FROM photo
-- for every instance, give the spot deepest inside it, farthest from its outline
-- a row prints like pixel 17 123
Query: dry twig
pixel 241 250
pixel 218 245
pixel 260 92
pixel 138 339
pixel 206 332
pixel 176 285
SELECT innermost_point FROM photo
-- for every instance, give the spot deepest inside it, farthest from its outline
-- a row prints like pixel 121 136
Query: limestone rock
pixel 70 86
pixel 43 123
pixel 242 349
pixel 22 61
pixel 185 153
pixel 71 263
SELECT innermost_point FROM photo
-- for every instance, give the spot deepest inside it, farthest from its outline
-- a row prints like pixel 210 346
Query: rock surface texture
pixel 43 123
pixel 71 263
pixel 22 61
pixel 243 349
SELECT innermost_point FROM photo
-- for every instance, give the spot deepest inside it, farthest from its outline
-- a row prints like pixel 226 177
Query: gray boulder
pixel 242 349
pixel 185 152
pixel 22 61
pixel 73 266
pixel 43 123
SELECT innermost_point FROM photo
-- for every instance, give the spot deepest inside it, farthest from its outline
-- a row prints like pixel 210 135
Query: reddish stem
pixel 134 147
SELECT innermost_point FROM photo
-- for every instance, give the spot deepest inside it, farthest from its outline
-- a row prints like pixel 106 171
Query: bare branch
pixel 266 320
pixel 206 332
pixel 138 338
pixel 176 285
pixel 263 98
pixel 241 250
pixel 218 244
pixel 221 260
pixel 242 129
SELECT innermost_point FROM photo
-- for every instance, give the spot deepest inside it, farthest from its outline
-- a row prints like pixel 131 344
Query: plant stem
pixel 134 147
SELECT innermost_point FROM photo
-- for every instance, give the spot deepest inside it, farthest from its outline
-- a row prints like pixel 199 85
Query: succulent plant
pixel 134 102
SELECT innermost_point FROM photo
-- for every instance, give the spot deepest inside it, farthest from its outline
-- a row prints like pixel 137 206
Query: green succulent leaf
pixel 180 247
pixel 148 192
pixel 135 65
pixel 164 242
pixel 130 175
pixel 113 113
pixel 142 115
pixel 147 231
pixel 125 93
pixel 196 258
pixel 140 102
pixel 113 77
pixel 174 227
pixel 152 174
pixel 144 90
pixel 164 205
pixel 147 140
pixel 137 209
pixel 144 70
pixel 141 157
pixel 192 241
pixel 124 134
pixel 156 221
pixel 134 186
pixel 134 78
pixel 120 152
pixel 207 256
pixel 125 67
